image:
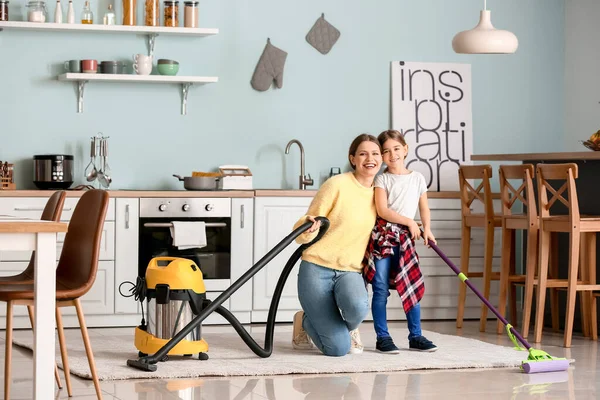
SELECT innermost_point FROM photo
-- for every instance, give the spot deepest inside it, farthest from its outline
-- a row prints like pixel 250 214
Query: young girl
pixel 392 260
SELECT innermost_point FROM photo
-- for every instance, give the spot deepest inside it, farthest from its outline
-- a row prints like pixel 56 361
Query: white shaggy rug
pixel 229 356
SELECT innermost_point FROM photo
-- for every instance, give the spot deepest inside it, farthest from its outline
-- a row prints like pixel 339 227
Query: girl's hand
pixel 415 232
pixel 315 226
pixel 428 237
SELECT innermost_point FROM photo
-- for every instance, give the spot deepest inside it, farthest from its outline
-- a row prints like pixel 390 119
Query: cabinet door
pixel 32 207
pixel 99 300
pixel 242 224
pixel 274 218
pixel 126 253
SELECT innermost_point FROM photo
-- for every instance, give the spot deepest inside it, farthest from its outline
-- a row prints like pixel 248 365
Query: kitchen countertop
pixel 566 156
pixel 198 194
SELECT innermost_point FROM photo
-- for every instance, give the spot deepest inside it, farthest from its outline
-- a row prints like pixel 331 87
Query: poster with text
pixel 431 106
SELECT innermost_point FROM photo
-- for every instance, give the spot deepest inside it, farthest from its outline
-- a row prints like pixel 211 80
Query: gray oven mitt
pixel 322 36
pixel 269 68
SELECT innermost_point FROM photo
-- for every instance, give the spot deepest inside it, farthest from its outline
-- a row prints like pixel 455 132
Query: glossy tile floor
pixel 582 381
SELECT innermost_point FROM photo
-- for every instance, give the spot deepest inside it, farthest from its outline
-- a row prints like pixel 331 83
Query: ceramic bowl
pixel 166 61
pixel 168 69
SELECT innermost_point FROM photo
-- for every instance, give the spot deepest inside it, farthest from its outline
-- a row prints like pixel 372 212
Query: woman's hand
pixel 415 232
pixel 315 226
pixel 428 237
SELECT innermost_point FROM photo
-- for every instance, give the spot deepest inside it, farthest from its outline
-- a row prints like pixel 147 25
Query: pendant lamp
pixel 484 38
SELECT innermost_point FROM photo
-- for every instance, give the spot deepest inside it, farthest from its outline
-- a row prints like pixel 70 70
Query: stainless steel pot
pixel 199 182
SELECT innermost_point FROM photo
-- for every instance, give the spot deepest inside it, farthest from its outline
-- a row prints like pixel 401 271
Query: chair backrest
pixel 78 261
pixel 52 212
pixel 557 172
pixel 524 194
pixel 483 192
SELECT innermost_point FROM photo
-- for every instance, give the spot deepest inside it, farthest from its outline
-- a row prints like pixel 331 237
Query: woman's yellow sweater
pixel 350 208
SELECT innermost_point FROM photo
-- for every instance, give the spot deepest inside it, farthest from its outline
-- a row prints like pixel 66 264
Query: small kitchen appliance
pixel 235 177
pixel 174 292
pixel 53 171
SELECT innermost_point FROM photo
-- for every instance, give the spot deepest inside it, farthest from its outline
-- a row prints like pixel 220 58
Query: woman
pixel 331 288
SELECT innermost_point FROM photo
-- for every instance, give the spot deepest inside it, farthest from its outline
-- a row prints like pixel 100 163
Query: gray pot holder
pixel 322 36
pixel 269 68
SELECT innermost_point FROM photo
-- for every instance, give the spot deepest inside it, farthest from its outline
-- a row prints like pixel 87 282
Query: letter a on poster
pixel 431 106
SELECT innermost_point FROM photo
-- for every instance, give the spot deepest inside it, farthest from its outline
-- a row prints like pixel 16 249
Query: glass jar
pixel 190 15
pixel 129 12
pixel 3 10
pixel 171 13
pixel 152 13
pixel 37 11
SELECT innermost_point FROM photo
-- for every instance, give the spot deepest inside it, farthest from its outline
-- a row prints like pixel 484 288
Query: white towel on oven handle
pixel 188 234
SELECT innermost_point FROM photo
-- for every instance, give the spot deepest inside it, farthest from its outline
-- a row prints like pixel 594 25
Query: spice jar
pixel 3 10
pixel 171 13
pixel 190 15
pixel 152 13
pixel 129 12
pixel 37 11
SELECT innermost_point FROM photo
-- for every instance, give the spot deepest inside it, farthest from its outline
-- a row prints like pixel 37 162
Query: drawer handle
pixel 35 209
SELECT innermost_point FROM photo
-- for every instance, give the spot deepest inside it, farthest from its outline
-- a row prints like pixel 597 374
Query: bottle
pixel 87 16
pixel 58 13
pixel 71 13
pixel 109 17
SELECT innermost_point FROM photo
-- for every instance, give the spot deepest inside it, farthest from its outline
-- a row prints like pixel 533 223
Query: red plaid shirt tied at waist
pixel 406 277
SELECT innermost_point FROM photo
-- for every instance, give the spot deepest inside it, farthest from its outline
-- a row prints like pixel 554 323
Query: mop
pixel 538 360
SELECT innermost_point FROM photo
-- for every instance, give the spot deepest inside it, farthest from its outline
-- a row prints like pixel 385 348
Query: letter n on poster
pixel 431 106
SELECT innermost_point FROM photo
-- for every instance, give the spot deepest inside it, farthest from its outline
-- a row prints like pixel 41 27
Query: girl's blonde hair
pixel 393 135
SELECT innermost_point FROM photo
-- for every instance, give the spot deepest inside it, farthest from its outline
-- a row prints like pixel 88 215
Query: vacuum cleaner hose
pixel 148 363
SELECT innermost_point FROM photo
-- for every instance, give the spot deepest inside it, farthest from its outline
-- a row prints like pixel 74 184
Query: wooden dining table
pixel 17 234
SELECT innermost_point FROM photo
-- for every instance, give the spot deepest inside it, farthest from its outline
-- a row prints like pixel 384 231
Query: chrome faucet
pixel 303 181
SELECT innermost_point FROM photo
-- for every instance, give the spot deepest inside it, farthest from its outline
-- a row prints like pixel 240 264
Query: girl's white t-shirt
pixel 403 191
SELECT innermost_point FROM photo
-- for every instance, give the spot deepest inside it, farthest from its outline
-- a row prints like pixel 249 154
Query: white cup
pixel 142 64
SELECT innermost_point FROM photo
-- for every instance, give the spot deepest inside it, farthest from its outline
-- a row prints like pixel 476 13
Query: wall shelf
pixel 185 81
pixel 140 30
pixel 150 31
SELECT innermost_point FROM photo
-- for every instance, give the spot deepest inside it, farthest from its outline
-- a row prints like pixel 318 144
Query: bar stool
pixel 511 222
pixel 581 229
pixel 487 220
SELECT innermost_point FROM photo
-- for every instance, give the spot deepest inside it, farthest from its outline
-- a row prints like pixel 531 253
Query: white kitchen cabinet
pixel 32 207
pixel 98 301
pixel 242 229
pixel 127 212
pixel 274 218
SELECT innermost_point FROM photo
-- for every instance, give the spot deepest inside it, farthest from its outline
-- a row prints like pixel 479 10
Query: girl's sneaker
pixel 421 344
pixel 356 346
pixel 386 345
pixel 300 339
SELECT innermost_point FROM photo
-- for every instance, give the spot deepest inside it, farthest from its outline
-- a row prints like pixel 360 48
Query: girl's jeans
pixel 334 303
pixel 381 291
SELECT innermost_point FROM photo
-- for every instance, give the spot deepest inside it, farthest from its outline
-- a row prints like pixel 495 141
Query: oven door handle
pixel 169 224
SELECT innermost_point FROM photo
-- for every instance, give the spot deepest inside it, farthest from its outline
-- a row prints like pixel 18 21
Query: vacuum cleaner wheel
pixel 202 356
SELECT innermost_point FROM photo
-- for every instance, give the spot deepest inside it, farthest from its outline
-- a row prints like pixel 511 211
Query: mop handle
pixel 489 305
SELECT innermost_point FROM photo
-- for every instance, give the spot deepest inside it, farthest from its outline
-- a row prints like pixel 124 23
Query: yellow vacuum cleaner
pixel 175 294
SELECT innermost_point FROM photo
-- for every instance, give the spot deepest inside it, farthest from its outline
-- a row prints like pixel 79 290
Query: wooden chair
pixel 52 212
pixel 582 231
pixel 75 275
pixel 487 220
pixel 511 222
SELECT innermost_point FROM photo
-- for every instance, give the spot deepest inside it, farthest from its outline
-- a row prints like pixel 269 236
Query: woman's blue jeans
pixel 381 291
pixel 334 303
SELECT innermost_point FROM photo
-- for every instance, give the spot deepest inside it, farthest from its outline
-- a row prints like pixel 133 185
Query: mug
pixel 89 66
pixel 142 69
pixel 73 66
pixel 143 64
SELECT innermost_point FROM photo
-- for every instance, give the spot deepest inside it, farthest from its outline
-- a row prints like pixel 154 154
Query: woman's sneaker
pixel 386 345
pixel 356 346
pixel 300 339
pixel 421 344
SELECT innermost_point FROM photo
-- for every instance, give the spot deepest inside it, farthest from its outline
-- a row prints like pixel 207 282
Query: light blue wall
pixel 325 100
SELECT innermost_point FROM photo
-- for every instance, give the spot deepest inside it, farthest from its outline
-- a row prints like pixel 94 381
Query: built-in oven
pixel 155 239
